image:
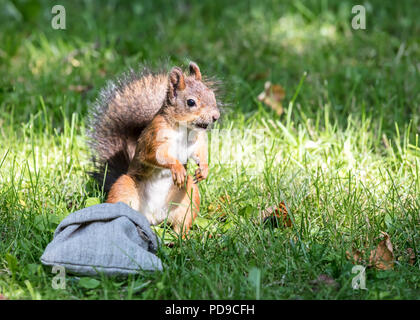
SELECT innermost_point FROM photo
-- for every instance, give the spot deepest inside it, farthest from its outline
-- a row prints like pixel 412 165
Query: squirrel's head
pixel 189 99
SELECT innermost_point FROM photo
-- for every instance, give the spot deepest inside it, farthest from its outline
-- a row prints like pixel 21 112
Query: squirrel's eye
pixel 191 102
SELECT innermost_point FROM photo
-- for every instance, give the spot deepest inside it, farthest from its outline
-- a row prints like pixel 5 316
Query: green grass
pixel 344 157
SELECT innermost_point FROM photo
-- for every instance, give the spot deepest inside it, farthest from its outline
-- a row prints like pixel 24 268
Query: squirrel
pixel 143 130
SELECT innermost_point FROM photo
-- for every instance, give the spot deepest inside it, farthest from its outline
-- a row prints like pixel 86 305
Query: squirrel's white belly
pixel 154 198
pixel 156 188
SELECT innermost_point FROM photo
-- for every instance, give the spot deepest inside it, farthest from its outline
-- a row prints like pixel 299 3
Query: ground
pixel 344 156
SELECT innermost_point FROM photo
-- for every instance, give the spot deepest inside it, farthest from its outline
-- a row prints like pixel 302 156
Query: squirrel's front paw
pixel 201 173
pixel 178 174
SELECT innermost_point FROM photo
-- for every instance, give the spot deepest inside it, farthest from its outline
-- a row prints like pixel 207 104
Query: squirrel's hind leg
pixel 124 190
pixel 184 205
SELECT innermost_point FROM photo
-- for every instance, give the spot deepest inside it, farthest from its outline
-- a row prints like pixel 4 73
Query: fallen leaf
pixel 383 256
pixel 411 256
pixel 273 96
pixel 355 256
pixel 278 216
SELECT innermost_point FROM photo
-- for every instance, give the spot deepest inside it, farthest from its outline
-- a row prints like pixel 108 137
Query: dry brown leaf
pixel 277 215
pixel 382 257
pixel 411 256
pixel 355 256
pixel 273 96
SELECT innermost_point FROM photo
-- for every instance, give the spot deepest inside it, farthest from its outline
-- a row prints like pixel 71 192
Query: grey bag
pixel 109 238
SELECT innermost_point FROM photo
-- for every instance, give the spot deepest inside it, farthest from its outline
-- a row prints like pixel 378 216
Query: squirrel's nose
pixel 216 116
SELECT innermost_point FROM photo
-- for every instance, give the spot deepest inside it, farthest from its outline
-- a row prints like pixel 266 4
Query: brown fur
pixel 124 190
pixel 123 110
pixel 152 151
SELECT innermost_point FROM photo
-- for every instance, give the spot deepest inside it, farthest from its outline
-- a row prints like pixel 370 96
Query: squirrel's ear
pixel 176 82
pixel 195 70
pixel 176 78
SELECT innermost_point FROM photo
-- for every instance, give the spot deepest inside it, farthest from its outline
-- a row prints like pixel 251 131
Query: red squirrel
pixel 143 130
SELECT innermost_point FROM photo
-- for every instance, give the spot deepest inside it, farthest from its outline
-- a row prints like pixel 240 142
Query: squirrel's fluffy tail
pixel 113 151
pixel 106 172
pixel 123 109
pixel 112 131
